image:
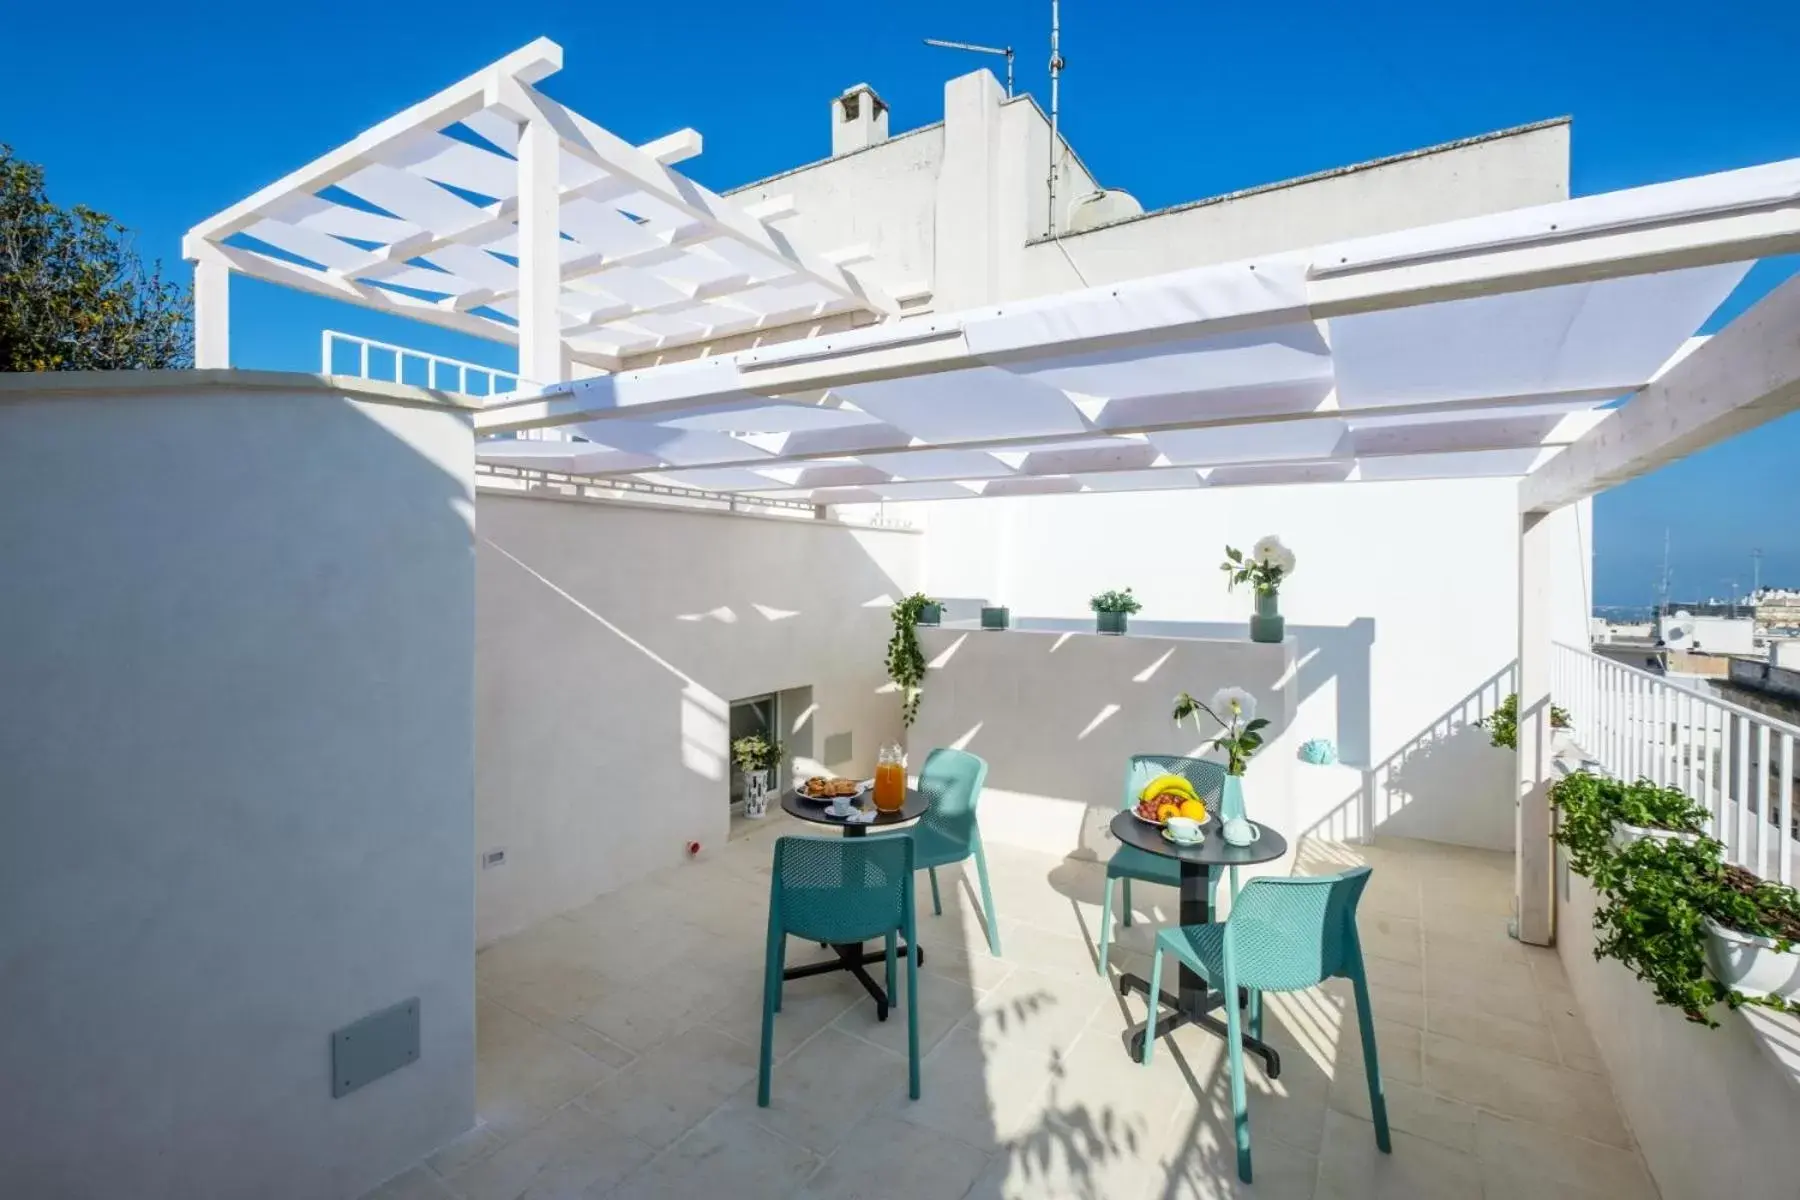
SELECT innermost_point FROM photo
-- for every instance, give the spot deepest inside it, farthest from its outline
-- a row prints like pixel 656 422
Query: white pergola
pixel 1555 344
pixel 493 210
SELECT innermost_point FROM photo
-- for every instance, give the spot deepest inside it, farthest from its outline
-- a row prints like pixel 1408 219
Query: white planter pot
pixel 757 785
pixel 1751 964
pixel 1624 835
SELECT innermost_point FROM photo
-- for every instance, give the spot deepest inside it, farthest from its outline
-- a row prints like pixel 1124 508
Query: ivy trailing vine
pixel 905 660
pixel 1655 895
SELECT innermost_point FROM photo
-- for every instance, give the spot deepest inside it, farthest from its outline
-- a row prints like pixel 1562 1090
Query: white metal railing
pixel 370 359
pixel 1738 764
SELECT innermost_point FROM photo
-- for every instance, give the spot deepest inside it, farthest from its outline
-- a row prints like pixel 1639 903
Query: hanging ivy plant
pixel 905 660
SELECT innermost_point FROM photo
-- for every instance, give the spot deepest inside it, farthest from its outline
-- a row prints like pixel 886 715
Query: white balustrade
pixel 1736 763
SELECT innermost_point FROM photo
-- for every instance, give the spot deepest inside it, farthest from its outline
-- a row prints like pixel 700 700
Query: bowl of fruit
pixel 1169 796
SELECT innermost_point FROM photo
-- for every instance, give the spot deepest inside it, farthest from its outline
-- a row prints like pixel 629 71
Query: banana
pixel 1168 783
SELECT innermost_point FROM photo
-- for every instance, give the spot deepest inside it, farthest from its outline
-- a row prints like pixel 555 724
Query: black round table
pixel 1194 1001
pixel 851 956
pixel 808 809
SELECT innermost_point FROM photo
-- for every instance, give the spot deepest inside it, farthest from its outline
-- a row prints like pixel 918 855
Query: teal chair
pixel 838 891
pixel 948 832
pixel 1129 863
pixel 1283 935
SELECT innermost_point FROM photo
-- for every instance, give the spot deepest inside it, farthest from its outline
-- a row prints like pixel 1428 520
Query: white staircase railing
pixel 1738 764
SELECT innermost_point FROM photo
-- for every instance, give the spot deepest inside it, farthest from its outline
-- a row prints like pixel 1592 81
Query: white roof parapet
pixel 419 215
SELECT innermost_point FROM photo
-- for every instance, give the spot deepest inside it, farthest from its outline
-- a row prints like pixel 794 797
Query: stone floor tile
pixel 669 1089
pixel 522 1074
pixel 1530 1151
pixel 460 1152
pixel 570 1154
pixel 1392 937
pixel 1573 1101
pixel 942 1004
pixel 885 1158
pixel 420 1183
pixel 1449 1123
pixel 1453 1017
pixel 819 1094
pixel 727 1155
pixel 1353 1167
pixel 979 1100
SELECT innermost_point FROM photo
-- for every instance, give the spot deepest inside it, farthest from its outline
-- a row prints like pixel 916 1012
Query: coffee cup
pixel 1183 829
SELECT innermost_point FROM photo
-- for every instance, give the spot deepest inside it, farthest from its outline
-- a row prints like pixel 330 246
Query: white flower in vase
pixel 1268 550
pixel 1233 707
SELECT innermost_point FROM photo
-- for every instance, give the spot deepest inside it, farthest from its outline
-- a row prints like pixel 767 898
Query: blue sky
pixel 163 116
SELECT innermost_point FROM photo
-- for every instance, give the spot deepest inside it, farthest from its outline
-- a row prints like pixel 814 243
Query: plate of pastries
pixel 827 787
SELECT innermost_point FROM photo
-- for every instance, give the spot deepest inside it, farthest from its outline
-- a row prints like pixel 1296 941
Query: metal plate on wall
pixel 380 1043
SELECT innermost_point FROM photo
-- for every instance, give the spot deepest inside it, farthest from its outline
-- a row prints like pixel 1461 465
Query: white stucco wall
pixel 609 647
pixel 236 783
pixel 1057 712
pixel 1404 607
pixel 1714 1110
pixel 1441 184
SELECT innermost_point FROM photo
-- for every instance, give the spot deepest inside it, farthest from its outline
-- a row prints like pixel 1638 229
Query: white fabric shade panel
pixel 1490 385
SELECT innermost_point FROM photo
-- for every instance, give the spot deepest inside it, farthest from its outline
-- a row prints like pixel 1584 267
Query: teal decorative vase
pixel 1110 622
pixel 931 614
pixel 1231 798
pixel 1268 625
pixel 996 618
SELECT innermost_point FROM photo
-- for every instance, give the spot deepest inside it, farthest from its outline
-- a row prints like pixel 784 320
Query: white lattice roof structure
pixel 431 215
pixel 1474 348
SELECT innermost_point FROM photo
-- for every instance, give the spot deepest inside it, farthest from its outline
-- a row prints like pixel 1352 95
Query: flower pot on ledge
pixel 1268 625
pixel 996 618
pixel 1111 622
pixel 930 614
pixel 1751 964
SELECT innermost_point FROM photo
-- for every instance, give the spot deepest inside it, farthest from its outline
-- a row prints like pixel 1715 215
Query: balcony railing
pixel 347 354
pixel 1738 764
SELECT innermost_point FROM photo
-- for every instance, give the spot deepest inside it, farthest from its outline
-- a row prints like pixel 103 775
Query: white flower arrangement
pixel 1265 568
pixel 1234 709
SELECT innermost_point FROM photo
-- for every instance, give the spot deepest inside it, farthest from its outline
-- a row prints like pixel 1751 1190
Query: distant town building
pixel 1777 609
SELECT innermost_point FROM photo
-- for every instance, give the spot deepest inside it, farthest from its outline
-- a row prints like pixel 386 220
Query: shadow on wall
pixel 1327 655
pixel 1447 783
pixel 611 639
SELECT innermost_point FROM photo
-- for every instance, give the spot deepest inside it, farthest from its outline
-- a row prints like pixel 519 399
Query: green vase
pixel 1110 622
pixel 1231 799
pixel 996 617
pixel 1268 625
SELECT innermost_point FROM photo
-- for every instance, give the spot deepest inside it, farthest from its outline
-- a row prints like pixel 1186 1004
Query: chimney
pixel 858 119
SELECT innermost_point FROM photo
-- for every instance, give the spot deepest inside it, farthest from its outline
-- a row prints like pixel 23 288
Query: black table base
pixel 1194 1002
pixel 1192 1009
pixel 852 957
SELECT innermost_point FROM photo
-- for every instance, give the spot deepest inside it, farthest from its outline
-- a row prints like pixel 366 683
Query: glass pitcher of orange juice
pixel 890 779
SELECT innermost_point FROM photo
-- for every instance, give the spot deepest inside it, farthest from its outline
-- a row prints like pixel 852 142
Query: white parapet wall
pixel 1056 713
pixel 612 639
pixel 236 779
pixel 1714 1110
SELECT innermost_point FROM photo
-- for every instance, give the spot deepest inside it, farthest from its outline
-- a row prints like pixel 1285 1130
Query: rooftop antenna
pixel 1662 584
pixel 1755 572
pixel 1004 51
pixel 1056 70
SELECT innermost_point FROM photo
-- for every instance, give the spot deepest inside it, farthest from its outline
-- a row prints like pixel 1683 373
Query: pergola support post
pixel 541 357
pixel 212 314
pixel 1534 854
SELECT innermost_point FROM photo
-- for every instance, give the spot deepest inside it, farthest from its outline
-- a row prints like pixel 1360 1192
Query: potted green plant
pixel 758 757
pixel 1240 736
pixel 931 614
pixel 1113 609
pixel 995 617
pixel 1752 931
pixel 1502 724
pixel 1265 569
pixel 1597 811
pixel 905 660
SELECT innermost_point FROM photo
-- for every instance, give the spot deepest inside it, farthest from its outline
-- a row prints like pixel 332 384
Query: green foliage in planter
pixel 1655 895
pixel 1123 602
pixel 1503 723
pixel 1650 918
pixel 905 660
pixel 1591 806
pixel 756 753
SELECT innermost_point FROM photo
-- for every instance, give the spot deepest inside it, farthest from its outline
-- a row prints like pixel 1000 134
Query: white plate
pixel 1204 821
pixel 862 786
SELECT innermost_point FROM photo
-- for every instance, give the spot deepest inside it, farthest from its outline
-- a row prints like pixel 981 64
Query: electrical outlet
pixel 494 858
